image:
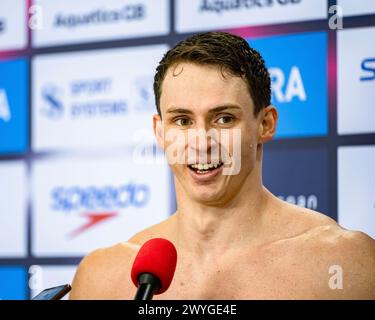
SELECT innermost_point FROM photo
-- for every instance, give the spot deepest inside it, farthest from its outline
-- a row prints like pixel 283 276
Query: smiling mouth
pixel 204 168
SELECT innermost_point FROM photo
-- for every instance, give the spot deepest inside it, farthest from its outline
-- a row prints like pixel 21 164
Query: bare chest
pixel 260 277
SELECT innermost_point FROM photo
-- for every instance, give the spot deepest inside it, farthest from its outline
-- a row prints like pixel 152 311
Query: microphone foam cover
pixel 159 257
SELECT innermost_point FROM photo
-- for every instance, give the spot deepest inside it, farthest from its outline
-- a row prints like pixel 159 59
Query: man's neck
pixel 202 228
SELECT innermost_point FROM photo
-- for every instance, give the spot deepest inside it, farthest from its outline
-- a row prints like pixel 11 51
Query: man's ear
pixel 158 130
pixel 268 122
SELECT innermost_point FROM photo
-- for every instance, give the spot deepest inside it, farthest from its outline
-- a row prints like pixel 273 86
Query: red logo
pixel 93 218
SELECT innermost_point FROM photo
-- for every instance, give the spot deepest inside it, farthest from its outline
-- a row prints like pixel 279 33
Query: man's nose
pixel 201 139
pixel 201 144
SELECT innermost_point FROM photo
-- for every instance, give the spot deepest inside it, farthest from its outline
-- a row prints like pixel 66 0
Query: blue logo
pixel 368 69
pixel 53 107
pixel 98 204
pixel 298 69
pixel 13 283
pixel 100 198
pixel 97 17
pixel 13 106
pixel 144 95
pixel 82 104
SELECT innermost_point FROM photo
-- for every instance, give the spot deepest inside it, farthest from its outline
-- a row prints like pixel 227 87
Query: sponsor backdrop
pixel 79 168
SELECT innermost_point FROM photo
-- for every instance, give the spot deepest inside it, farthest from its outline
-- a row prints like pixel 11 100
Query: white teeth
pixel 205 166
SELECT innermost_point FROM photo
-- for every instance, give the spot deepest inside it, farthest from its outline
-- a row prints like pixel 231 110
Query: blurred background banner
pixel 79 168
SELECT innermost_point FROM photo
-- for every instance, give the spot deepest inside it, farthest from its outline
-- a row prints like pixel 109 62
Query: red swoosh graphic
pixel 93 219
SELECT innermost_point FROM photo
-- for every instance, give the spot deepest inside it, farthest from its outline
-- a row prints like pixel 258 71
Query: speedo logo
pixel 98 203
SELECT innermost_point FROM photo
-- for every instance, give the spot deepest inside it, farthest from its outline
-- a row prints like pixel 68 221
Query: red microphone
pixel 153 268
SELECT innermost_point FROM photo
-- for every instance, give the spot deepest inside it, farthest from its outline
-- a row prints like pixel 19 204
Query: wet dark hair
pixel 230 53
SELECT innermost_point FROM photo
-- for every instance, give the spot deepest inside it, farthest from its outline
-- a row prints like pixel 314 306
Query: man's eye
pixel 225 120
pixel 183 122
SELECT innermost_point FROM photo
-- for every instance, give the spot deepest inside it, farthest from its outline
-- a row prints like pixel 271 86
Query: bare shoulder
pixel 105 273
pixel 320 247
pixel 100 272
pixel 330 249
pixel 349 255
pixel 326 236
pixel 350 246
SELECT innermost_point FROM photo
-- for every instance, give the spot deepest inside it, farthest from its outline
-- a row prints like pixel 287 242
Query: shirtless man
pixel 235 240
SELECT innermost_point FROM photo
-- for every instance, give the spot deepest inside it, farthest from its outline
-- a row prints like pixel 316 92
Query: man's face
pixel 196 99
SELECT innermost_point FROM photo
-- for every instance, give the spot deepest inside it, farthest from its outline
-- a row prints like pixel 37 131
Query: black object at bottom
pixel 148 285
pixel 55 293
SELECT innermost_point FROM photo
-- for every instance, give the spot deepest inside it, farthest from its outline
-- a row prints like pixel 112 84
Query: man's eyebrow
pixel 179 110
pixel 214 110
pixel 223 108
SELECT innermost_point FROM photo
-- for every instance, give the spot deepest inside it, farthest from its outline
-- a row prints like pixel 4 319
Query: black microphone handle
pixel 148 284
